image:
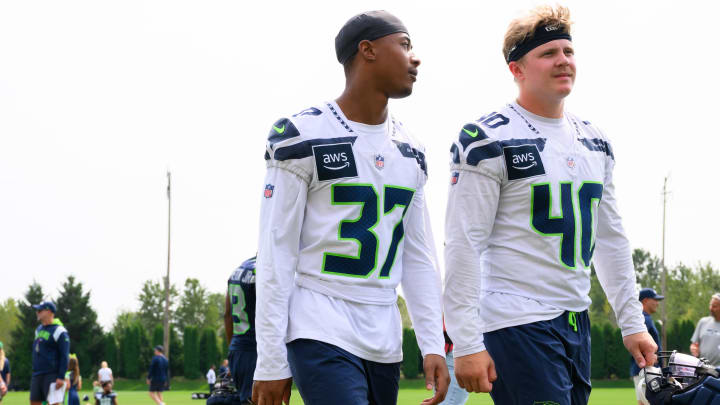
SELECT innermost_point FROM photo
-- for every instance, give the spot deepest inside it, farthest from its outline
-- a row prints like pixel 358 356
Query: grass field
pixel 408 396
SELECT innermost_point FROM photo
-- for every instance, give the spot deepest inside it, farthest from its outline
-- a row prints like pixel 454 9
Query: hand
pixel 642 348
pixel 695 349
pixel 271 392
pixel 147 381
pixel 437 377
pixel 3 388
pixel 59 383
pixel 475 372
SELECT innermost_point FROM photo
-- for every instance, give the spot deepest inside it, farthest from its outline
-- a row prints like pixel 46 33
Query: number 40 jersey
pixel 531 203
pixel 343 222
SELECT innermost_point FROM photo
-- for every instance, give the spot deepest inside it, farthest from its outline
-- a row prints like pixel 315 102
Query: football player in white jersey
pixel 343 222
pixel 531 206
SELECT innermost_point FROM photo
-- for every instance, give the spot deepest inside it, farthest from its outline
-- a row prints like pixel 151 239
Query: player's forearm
pixel 64 347
pixel 273 286
pixel 471 209
pixel 421 279
pixel 460 301
pixel 614 266
pixel 282 217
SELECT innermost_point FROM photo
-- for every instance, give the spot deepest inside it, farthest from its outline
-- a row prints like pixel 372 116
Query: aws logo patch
pixel 523 161
pixel 334 161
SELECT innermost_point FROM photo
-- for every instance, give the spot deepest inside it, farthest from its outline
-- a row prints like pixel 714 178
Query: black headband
pixel 542 35
pixel 370 25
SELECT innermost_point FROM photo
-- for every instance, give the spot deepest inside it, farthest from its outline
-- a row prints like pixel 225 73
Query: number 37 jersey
pixel 532 204
pixel 344 219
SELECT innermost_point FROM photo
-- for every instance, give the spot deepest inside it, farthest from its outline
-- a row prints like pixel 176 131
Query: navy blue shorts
pixel 40 386
pixel 242 369
pixel 328 375
pixel 545 362
pixel 157 386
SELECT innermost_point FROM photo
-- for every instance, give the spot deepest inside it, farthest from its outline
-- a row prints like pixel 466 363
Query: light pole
pixel 166 320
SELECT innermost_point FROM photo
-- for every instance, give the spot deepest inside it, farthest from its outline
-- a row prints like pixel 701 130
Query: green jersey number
pixel 361 229
pixel 564 226
pixel 241 321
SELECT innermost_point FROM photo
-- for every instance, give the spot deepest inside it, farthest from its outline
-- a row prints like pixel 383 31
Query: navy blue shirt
pixel 51 350
pixel 241 290
pixel 158 371
pixel 6 370
pixel 222 370
pixel 634 369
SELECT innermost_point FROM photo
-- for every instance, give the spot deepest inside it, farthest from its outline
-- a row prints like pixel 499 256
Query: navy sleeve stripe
pixel 304 149
pixel 484 152
pixel 598 145
pixel 455 154
pixel 540 142
pixel 409 152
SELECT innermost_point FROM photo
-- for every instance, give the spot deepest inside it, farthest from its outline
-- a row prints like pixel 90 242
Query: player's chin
pixel 402 92
pixel 564 91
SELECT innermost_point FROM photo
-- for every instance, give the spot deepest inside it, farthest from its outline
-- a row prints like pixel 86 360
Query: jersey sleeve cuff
pixel 633 330
pixel 466 351
pixel 267 375
pixel 439 353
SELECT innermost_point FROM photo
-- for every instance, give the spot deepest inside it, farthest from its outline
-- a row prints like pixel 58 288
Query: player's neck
pixel 544 108
pixel 363 104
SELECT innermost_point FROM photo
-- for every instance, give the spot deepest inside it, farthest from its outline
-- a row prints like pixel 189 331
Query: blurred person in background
pixel 73 380
pixel 705 342
pixel 105 373
pixel 4 368
pixel 650 301
pixel 50 354
pixel 157 377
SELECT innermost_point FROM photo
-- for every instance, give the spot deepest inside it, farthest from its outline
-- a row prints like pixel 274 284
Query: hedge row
pixel 609 358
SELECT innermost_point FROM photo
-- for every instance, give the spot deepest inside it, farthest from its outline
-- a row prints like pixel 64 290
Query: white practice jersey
pixel 531 206
pixel 343 222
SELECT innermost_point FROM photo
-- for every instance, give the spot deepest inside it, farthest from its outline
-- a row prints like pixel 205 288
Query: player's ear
pixel 517 70
pixel 367 50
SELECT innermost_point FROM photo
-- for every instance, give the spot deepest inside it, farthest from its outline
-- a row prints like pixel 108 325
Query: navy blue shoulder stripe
pixel 471 133
pixel 309 111
pixel 405 149
pixel 455 153
pixel 281 130
pixel 489 151
pixel 409 152
pixel 540 142
pixel 598 145
pixel 495 149
pixel 304 149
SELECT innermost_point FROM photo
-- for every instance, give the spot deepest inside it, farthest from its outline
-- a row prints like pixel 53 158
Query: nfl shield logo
pixel 571 163
pixel 269 190
pixel 379 162
pixel 454 178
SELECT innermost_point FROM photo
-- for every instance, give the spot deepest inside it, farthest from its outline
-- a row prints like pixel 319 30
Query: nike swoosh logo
pixel 338 168
pixel 472 134
pixel 279 130
pixel 525 168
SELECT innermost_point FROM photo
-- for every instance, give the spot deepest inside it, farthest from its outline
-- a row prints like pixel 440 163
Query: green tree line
pixel 197 338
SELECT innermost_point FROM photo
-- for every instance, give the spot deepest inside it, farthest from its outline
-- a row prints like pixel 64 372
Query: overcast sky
pixel 98 99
